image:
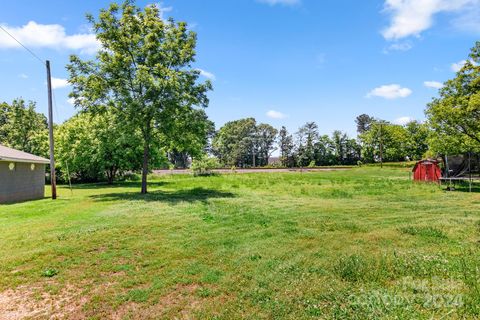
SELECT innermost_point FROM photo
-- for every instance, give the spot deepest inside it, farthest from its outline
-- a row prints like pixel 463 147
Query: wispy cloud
pixel 23 76
pixel 53 36
pixel 58 83
pixel 433 84
pixel 457 66
pixel 403 120
pixel 398 46
pixel 281 2
pixel 273 114
pixel 162 10
pixel 207 74
pixel 412 17
pixel 390 91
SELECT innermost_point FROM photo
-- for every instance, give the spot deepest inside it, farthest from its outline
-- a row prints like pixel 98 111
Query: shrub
pixel 204 166
pixel 311 164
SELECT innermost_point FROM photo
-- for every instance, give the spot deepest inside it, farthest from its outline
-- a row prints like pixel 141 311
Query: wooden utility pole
pixel 50 131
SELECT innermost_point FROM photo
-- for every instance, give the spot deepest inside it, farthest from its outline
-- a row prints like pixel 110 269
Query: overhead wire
pixel 25 47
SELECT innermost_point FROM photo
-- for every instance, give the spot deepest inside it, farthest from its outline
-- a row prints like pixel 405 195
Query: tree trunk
pixel 111 175
pixel 146 154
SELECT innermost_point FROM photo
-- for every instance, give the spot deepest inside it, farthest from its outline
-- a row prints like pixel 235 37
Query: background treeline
pixel 244 143
pixel 103 147
pixel 96 147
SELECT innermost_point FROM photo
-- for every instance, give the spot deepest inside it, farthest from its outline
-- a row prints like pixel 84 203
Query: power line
pixel 55 102
pixel 30 51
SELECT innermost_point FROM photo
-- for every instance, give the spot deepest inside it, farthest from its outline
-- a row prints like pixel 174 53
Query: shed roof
pixel 9 154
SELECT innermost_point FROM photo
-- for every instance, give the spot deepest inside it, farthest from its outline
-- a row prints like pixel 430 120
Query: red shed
pixel 427 170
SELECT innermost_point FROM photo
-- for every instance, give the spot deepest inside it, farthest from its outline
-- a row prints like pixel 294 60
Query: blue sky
pixel 284 62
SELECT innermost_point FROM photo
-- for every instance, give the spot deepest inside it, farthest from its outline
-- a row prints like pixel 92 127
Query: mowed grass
pixel 365 243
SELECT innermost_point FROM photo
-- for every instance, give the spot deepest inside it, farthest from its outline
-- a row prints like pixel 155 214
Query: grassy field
pixel 357 244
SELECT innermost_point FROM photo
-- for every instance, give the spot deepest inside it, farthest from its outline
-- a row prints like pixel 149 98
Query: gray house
pixel 22 175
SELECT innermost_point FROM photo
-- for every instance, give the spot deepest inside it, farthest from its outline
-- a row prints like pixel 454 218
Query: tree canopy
pixel 23 128
pixel 454 116
pixel 143 74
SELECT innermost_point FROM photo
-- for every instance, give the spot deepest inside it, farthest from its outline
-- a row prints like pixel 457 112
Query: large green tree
pixel 22 128
pixel 454 116
pixel 417 143
pixel 96 147
pixel 233 144
pixel 384 141
pixel 143 73
pixel 244 143
pixel 265 140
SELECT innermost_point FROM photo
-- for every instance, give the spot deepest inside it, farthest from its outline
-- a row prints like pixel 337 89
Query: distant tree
pixel 417 143
pixel 353 152
pixel 22 128
pixel 191 136
pixel 324 151
pixel 143 73
pixel 393 139
pixel 347 151
pixel 339 139
pixel 243 143
pixel 455 115
pixel 4 112
pixel 285 142
pixel 265 141
pixel 234 142
pixel 364 122
pixel 307 135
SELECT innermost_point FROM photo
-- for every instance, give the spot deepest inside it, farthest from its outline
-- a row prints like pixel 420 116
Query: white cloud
pixel 457 66
pixel 71 101
pixel 403 120
pixel 207 74
pixel 433 84
pixel 276 114
pixel 162 10
pixel 411 17
pixel 282 2
pixel 23 76
pixel 54 36
pixel 398 46
pixel 470 19
pixel 390 91
pixel 58 83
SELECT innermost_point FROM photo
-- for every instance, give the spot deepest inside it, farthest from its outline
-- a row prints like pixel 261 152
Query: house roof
pixel 9 154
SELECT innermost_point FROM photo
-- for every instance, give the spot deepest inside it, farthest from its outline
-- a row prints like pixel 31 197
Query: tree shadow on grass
pixel 172 197
pixel 123 184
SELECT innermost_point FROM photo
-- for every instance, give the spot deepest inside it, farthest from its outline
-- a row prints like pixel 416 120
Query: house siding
pixel 22 183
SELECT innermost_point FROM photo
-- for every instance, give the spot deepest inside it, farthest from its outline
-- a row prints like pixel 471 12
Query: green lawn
pixel 358 244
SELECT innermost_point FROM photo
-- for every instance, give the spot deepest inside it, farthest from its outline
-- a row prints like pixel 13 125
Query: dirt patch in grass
pixel 180 303
pixel 33 302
